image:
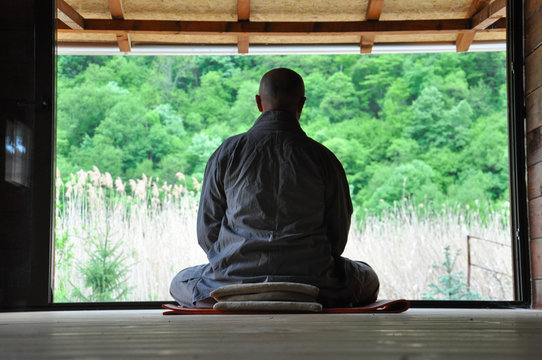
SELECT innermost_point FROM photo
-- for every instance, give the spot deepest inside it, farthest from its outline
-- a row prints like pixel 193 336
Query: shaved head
pixel 281 89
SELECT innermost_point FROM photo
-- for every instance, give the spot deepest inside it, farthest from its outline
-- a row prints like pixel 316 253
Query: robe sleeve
pixel 212 205
pixel 338 206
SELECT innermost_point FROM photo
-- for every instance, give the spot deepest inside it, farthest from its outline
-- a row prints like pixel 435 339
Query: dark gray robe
pixel 275 206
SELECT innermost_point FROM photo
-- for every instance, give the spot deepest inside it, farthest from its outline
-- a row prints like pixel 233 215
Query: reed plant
pixel 151 225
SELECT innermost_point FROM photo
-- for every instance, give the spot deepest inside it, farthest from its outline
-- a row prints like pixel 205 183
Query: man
pixel 275 206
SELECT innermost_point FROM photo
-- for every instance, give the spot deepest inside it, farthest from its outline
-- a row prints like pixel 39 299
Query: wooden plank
pixel 416 334
pixel 464 40
pixel 534 146
pixel 242 44
pixel 537 294
pixel 117 8
pixel 374 9
pixel 533 105
pixel 60 24
pixel 366 43
pixel 533 30
pixel 534 186
pixel 535 218
pixel 489 14
pixel 533 71
pixel 536 258
pixel 124 42
pixel 69 16
pixel 531 6
pixel 275 28
pixel 243 10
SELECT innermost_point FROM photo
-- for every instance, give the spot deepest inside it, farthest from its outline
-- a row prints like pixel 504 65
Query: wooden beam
pixel 366 43
pixel 242 44
pixel 374 9
pixel 464 40
pixel 60 25
pixel 69 16
pixel 116 7
pixel 489 15
pixel 450 26
pixel 124 42
pixel 243 10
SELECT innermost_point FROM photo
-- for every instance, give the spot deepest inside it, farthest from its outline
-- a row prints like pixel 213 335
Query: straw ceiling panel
pixel 216 21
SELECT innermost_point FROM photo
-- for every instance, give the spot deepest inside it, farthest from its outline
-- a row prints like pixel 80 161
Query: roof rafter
pixel 116 7
pixel 450 26
pixel 243 14
pixel 374 10
pixel 489 15
pixel 366 43
pixel 124 42
pixel 464 40
pixel 486 14
pixel 243 10
pixel 69 16
pixel 242 44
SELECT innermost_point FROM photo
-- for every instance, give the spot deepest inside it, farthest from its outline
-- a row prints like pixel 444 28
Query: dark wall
pixel 26 133
pixel 533 101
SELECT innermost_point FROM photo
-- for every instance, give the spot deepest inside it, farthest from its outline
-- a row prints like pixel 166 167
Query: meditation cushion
pixel 278 296
pixel 268 306
pixel 255 288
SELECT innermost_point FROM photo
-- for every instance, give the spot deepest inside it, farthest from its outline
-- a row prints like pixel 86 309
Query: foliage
pixel 427 126
pixel 451 285
pixel 105 273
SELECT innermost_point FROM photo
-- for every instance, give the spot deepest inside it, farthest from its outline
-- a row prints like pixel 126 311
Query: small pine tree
pixel 451 285
pixel 105 273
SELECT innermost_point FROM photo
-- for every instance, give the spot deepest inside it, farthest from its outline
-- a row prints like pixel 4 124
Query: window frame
pixel 518 196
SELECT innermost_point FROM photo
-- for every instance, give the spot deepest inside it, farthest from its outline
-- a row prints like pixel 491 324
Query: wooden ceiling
pixel 365 23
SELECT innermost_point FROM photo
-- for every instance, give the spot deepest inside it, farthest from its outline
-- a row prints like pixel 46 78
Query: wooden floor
pixel 416 334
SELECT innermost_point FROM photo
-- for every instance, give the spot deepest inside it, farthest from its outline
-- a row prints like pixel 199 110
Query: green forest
pixel 430 128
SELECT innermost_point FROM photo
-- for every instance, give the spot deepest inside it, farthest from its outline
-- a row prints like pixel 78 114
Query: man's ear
pixel 259 103
pixel 301 104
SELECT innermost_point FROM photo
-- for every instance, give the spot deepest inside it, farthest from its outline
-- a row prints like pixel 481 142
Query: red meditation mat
pixel 380 306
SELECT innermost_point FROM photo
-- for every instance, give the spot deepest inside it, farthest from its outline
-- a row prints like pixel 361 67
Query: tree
pixel 340 101
pixel 450 284
pixel 413 180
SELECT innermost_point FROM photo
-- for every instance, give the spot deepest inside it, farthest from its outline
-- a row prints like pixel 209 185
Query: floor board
pixel 416 334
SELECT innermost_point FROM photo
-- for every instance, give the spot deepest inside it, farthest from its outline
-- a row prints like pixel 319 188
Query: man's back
pixel 283 194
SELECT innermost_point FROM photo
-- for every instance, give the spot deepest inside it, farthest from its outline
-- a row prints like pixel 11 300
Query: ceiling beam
pixel 489 15
pixel 464 40
pixel 242 44
pixel 486 14
pixel 69 16
pixel 450 26
pixel 243 10
pixel 124 42
pixel 366 43
pixel 116 7
pixel 374 9
pixel 243 14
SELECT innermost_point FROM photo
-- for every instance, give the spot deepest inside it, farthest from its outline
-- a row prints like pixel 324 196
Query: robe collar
pixel 277 120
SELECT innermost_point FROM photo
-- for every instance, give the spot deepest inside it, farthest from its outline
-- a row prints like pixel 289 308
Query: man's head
pixel 281 89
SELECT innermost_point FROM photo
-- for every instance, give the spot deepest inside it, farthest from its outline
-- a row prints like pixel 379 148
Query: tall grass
pixel 154 224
